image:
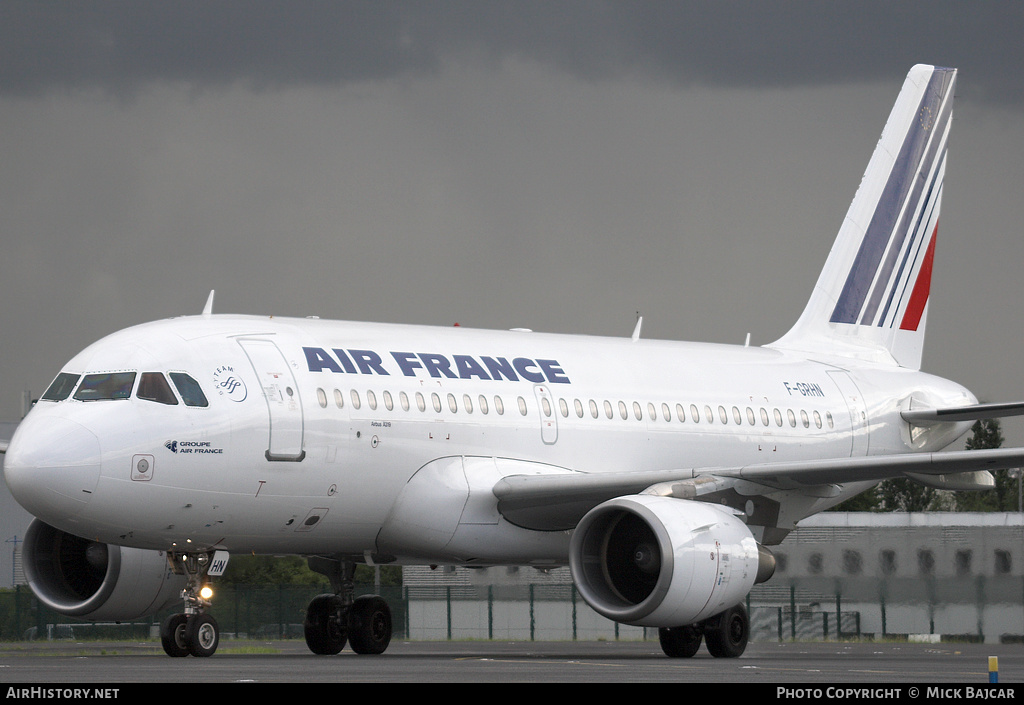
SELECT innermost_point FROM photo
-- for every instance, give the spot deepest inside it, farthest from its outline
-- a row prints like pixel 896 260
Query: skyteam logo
pixel 228 383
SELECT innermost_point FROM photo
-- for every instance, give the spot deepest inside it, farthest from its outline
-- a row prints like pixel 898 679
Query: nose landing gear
pixel 193 632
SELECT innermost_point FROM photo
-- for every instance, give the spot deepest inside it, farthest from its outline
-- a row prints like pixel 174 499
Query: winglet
pixel 208 309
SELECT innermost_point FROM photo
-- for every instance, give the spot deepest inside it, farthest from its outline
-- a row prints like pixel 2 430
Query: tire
pixel 680 642
pixel 172 635
pixel 369 625
pixel 202 634
pixel 726 634
pixel 324 625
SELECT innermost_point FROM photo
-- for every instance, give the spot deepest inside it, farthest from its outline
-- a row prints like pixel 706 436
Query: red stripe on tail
pixel 922 287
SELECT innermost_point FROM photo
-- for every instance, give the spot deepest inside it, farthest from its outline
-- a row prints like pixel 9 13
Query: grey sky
pixel 553 165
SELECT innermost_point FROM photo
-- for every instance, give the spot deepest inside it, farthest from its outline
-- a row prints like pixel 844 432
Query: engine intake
pixel 657 561
pixel 96 581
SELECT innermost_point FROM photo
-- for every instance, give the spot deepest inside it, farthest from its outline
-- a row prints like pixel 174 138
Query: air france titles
pixel 368 362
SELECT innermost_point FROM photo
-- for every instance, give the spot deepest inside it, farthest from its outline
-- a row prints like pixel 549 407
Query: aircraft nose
pixel 52 466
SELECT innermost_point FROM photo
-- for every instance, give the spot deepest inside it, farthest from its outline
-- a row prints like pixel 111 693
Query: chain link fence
pixel 520 612
pixel 259 612
pixel 530 612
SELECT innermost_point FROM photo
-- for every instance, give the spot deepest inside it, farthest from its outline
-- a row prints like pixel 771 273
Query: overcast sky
pixel 555 165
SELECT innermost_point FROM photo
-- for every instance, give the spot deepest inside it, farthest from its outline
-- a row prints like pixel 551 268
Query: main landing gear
pixel 334 619
pixel 725 634
pixel 194 631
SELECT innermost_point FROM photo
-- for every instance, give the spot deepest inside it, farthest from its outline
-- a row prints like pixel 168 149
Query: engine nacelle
pixel 96 581
pixel 656 561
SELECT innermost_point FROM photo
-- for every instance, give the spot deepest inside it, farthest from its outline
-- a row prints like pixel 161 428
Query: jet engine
pixel 657 561
pixel 96 581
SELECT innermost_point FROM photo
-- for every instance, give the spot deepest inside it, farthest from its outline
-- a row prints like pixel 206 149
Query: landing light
pixel 206 592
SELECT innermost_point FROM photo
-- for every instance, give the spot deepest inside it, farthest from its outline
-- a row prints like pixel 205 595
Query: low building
pixel 932 576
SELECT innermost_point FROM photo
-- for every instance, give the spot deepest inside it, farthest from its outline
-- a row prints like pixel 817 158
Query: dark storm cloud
pixel 122 45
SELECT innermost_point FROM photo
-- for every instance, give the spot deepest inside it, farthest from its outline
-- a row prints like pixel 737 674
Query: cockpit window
pixel 189 389
pixel 114 385
pixel 153 387
pixel 61 387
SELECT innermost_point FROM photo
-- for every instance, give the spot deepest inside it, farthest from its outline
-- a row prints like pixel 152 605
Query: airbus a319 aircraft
pixel 160 450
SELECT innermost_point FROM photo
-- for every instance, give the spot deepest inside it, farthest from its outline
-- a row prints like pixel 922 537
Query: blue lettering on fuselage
pixel 437 365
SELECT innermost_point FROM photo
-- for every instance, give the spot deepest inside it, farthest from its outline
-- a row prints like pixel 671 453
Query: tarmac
pixel 124 666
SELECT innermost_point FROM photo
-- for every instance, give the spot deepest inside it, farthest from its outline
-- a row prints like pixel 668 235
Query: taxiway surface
pixel 289 661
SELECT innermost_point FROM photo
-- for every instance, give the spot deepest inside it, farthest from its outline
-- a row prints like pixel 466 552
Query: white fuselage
pixel 313 428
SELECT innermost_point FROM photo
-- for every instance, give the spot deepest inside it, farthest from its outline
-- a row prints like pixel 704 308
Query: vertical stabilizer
pixel 871 299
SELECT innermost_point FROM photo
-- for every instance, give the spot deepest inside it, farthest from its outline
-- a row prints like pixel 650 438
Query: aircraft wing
pixel 974 412
pixel 878 467
pixel 559 501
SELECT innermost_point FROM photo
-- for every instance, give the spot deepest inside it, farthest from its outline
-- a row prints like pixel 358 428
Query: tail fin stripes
pixel 899 199
pixel 919 296
pixel 871 298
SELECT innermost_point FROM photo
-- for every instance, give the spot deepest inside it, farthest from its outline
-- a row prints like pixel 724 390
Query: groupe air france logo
pixel 230 384
pixel 193 447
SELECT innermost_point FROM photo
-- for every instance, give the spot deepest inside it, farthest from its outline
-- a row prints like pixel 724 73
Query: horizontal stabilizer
pixel 973 412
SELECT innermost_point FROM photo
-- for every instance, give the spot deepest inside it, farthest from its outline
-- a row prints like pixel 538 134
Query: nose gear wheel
pixel 193 632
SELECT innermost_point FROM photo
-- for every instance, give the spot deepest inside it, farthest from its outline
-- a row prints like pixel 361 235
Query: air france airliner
pixel 162 449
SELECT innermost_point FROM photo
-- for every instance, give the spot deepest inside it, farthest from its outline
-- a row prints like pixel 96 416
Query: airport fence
pixel 519 612
pixel 246 612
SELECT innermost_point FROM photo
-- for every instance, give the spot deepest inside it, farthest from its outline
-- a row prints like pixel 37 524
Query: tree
pixel 906 495
pixel 293 570
pixel 271 570
pixel 987 433
pixel 901 494
pixel 867 501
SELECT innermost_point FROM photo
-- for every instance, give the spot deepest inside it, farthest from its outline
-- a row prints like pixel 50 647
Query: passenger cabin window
pixel 153 387
pixel 190 391
pixel 101 387
pixel 61 387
